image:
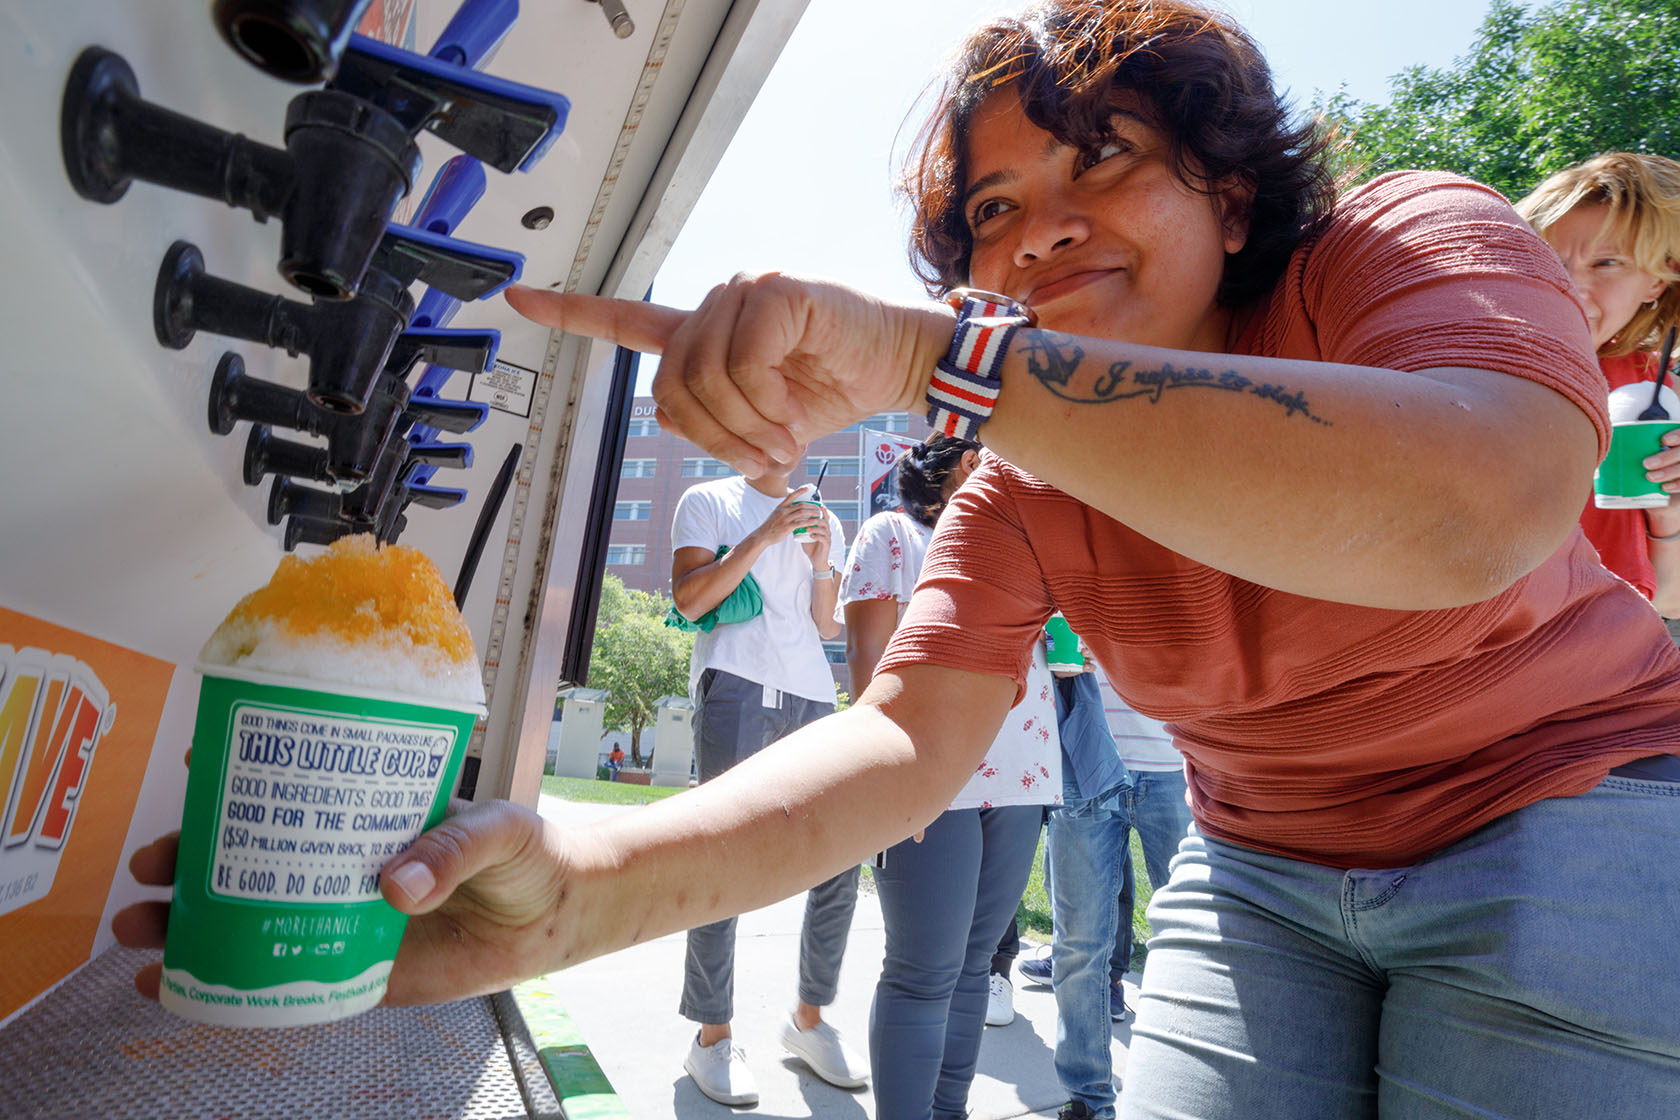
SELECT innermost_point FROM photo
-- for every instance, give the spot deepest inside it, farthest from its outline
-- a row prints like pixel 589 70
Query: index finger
pixel 630 323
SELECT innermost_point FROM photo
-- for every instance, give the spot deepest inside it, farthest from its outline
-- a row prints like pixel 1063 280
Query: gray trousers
pixel 731 722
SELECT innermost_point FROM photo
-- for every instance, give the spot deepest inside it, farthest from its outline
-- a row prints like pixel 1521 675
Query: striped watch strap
pixel 965 384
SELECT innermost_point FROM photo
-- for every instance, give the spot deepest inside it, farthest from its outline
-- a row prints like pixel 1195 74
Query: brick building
pixel 659 466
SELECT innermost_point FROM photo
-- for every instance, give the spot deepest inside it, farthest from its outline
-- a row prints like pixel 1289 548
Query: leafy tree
pixel 1539 90
pixel 636 657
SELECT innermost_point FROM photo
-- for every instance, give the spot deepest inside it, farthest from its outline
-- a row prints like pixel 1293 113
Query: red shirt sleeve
pixel 981 601
pixel 1425 270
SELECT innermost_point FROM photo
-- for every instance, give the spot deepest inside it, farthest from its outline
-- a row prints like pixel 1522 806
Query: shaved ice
pixel 358 615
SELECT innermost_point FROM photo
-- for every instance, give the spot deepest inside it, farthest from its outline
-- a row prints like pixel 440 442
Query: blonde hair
pixel 1642 193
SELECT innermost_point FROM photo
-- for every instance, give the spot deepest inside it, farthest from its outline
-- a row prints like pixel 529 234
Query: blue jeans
pixel 1529 970
pixel 1156 808
pixel 1087 850
pixel 944 903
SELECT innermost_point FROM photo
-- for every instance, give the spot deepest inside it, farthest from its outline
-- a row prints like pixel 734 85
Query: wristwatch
pixel 826 573
pixel 965 384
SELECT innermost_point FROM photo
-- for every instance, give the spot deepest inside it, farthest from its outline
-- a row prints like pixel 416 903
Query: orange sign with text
pixel 77 719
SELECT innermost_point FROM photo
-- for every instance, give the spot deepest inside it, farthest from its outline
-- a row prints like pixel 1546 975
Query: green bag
pixel 743 603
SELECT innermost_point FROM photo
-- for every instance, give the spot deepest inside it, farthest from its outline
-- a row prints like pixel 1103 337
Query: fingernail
pixel 414 879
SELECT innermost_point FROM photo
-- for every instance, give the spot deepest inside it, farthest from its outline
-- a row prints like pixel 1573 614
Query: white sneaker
pixel 826 1053
pixel 1000 1002
pixel 720 1071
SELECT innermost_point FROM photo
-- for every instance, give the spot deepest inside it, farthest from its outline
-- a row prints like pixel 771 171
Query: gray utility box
pixel 673 742
pixel 577 737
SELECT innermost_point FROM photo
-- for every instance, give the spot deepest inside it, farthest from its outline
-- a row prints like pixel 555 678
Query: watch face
pixel 1007 307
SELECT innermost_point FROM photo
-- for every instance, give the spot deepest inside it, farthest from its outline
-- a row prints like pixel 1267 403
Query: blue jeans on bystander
pixel 1087 852
pixel 1156 808
pixel 944 902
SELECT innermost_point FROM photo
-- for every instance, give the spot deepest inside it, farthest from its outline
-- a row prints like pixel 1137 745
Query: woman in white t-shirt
pixel 948 894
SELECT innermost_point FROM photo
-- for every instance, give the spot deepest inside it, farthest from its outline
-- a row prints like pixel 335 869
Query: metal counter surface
pixel 93 1047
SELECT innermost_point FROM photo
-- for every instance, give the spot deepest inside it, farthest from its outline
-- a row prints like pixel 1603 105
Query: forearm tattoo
pixel 1059 363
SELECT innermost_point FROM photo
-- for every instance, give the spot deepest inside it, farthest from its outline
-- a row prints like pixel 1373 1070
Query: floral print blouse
pixel 1023 766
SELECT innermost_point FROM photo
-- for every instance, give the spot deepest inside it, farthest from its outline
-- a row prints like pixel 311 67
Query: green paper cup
pixel 806 497
pixel 1620 482
pixel 297 794
pixel 1062 647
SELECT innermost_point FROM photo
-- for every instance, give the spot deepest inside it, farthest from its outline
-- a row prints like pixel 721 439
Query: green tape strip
pixel 583 1088
pixel 584 1091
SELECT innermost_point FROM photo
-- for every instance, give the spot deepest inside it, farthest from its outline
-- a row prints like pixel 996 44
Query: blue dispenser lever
pixel 455 189
pixel 506 124
pixel 474 32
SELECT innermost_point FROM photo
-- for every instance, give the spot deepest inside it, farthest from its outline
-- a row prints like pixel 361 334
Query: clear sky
pixel 805 185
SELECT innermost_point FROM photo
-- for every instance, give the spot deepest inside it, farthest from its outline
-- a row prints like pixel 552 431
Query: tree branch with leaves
pixel 636 658
pixel 1540 89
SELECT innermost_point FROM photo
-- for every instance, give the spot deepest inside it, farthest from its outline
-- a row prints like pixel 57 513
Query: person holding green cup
pixel 333 716
pixel 1615 222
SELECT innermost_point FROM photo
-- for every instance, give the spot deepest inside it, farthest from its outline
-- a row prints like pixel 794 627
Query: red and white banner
pixel 878 454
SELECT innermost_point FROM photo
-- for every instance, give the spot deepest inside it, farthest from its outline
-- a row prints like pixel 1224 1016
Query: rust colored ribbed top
pixel 1343 735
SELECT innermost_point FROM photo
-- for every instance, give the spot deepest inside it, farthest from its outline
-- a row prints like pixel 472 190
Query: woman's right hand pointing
pixel 765 363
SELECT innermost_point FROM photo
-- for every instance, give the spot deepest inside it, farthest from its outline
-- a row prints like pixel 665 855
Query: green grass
pixel 603 793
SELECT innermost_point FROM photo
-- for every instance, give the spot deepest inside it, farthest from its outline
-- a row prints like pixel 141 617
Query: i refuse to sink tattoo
pixel 1058 362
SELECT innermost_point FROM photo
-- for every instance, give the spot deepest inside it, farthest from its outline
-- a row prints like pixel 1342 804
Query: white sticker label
pixel 313 804
pixel 505 387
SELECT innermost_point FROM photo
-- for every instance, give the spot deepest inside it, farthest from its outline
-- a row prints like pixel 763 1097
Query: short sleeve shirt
pixel 1343 735
pixel 1023 764
pixel 781 648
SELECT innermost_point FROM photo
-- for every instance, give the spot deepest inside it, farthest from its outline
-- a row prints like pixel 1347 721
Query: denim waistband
pixel 1656 768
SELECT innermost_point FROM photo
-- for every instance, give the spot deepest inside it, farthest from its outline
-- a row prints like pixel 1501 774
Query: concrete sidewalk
pixel 624 1006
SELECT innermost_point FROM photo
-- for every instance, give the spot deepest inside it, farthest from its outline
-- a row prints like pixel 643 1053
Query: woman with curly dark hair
pixel 1306 483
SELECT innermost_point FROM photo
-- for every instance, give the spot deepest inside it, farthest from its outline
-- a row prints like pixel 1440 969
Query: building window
pixel 883 422
pixel 705 468
pixel 643 426
pixel 845 467
pixel 845 511
pixel 638 468
pixel 632 511
pixel 627 554
pixel 835 652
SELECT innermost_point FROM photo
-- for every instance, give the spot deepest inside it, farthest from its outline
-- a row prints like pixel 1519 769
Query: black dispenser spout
pixel 345 165
pixel 294 40
pixel 346 341
pixel 266 453
pixel 316 516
